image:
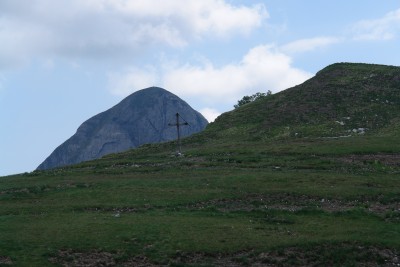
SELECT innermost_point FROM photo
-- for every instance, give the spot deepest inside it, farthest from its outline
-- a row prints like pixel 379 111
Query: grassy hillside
pixel 252 198
pixel 342 99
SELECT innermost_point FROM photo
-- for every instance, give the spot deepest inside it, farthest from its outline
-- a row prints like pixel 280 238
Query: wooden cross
pixel 178 124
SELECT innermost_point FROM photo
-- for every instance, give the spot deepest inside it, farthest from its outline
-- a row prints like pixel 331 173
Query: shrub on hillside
pixel 247 99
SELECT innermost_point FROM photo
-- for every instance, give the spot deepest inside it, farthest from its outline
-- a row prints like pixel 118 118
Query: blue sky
pixel 62 62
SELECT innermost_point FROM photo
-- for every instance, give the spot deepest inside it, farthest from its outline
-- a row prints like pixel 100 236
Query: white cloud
pixel 15 39
pixel 109 28
pixel 385 28
pixel 210 114
pixel 134 79
pixel 198 17
pixel 305 45
pixel 262 68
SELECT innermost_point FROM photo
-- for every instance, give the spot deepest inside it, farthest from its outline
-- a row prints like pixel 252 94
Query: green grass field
pixel 289 202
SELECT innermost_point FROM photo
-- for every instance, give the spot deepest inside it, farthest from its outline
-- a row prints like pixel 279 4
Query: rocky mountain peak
pixel 140 118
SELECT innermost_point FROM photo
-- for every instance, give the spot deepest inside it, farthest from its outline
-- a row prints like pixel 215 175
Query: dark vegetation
pixel 248 192
pixel 248 99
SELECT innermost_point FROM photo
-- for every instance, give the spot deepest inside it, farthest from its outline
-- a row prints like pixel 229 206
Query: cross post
pixel 178 124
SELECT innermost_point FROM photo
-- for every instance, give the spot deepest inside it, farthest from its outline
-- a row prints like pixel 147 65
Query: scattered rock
pixel 97 258
pixel 5 260
pixel 291 202
pixel 385 159
pixel 317 255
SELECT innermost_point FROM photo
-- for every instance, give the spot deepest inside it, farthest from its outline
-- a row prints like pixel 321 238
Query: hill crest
pixel 340 100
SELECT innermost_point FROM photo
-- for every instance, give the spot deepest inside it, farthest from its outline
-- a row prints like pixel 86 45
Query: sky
pixel 64 61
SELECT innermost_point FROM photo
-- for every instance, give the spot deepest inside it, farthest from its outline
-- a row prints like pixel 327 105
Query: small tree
pixel 247 99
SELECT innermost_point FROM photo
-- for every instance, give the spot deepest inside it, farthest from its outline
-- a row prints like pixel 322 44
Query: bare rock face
pixel 140 118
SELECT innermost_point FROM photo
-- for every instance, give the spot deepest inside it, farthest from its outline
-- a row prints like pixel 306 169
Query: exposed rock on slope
pixel 140 118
